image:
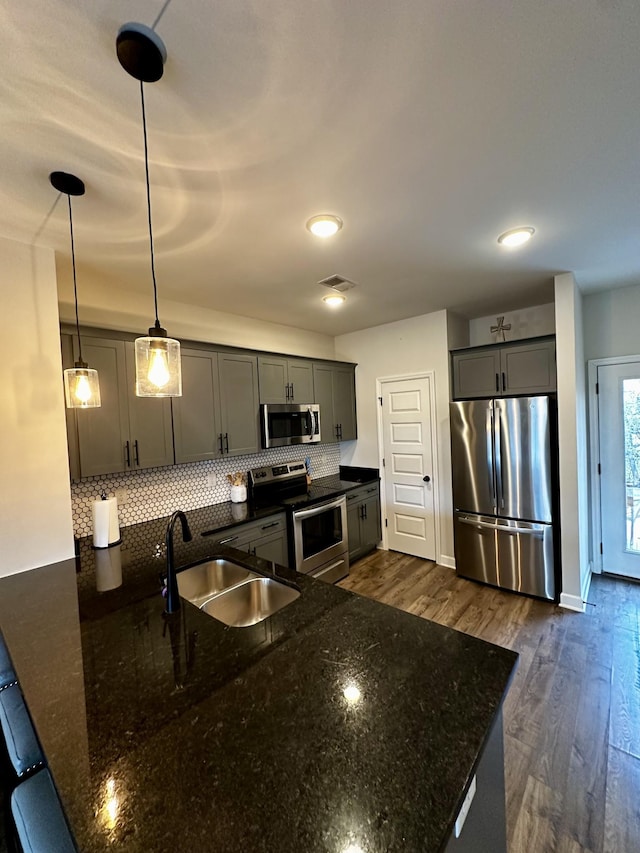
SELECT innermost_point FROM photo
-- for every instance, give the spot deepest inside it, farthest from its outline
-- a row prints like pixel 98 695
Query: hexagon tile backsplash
pixel 156 492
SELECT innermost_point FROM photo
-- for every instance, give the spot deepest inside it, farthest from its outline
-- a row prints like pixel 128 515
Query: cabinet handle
pixel 292 392
pixel 221 444
pixel 136 455
pixel 287 391
pixel 371 491
pixel 273 524
pixel 497 383
pixel 127 454
pixel 504 382
pixel 229 539
pixel 351 497
pixel 226 441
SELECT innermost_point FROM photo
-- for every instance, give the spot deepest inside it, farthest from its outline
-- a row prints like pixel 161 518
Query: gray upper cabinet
pixel 476 374
pixel 335 393
pixel 126 432
pixel 195 414
pixel 239 423
pixel 217 414
pixel 344 402
pixel 285 380
pixel 527 367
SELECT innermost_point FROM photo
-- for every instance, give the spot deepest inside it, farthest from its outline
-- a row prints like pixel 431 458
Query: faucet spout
pixel 173 597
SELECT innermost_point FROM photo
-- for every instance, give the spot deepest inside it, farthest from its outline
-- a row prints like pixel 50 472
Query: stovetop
pixel 286 485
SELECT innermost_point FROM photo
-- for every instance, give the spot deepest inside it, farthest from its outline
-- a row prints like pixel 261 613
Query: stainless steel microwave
pixel 289 423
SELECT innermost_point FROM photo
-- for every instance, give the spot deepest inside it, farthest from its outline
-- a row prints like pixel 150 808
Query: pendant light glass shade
pixel 158 372
pixel 142 54
pixel 81 386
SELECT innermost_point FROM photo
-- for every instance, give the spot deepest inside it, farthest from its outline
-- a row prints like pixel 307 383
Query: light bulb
pixel 82 390
pixel 158 368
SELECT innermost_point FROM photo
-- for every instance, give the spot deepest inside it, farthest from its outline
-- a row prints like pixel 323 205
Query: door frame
pixel 594 452
pixel 380 381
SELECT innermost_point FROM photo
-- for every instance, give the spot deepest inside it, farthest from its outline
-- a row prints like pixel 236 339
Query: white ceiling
pixel 429 126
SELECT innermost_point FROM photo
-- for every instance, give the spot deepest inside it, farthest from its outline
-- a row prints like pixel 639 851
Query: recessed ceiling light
pixel 334 299
pixel 324 225
pixel 516 237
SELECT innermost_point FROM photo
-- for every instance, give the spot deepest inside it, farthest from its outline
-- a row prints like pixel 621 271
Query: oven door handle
pixel 300 514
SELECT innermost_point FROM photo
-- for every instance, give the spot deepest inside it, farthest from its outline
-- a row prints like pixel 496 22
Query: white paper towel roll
pixel 106 529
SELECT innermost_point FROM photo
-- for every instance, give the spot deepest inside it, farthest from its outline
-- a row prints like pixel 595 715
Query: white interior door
pixel 408 466
pixel 619 442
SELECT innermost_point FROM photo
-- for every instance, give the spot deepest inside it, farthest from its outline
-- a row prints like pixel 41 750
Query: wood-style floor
pixel 572 713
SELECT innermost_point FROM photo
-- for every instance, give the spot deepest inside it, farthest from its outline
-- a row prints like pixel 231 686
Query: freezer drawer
pixel 513 555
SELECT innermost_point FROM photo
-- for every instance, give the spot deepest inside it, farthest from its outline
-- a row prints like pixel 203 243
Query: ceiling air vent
pixel 337 282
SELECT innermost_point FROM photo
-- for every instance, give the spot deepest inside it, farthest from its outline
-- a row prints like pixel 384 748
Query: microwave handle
pixel 316 422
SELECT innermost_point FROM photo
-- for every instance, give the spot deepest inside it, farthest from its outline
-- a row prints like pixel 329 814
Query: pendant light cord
pixel 75 286
pixel 160 14
pixel 146 170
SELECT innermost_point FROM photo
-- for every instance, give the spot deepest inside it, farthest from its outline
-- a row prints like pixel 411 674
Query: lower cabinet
pixel 363 520
pixel 266 538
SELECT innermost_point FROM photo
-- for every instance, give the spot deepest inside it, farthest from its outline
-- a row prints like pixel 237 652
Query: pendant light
pixel 81 386
pixel 142 54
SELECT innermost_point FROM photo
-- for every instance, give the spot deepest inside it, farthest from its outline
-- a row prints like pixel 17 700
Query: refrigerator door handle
pixel 501 528
pixel 498 455
pixel 490 459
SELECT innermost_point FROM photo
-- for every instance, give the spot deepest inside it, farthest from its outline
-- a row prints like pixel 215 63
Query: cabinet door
pixel 370 522
pixel 476 374
pixel 353 528
pixel 344 402
pixel 323 390
pixel 195 414
pixel 272 548
pixel 273 379
pixel 238 377
pixel 150 428
pixel 529 369
pixel 103 433
pixel 300 375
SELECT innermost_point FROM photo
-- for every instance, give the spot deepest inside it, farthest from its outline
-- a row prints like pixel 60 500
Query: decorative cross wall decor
pixel 500 329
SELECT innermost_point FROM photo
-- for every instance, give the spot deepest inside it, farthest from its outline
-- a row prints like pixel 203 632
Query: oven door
pixel 287 424
pixel 320 534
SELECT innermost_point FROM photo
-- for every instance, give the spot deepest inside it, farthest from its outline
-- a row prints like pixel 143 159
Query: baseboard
pixel 572 602
pixel 447 561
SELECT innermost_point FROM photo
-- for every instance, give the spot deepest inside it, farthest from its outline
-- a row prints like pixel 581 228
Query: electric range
pixel 316 518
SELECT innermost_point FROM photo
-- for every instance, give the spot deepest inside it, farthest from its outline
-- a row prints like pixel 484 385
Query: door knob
pixel 427 478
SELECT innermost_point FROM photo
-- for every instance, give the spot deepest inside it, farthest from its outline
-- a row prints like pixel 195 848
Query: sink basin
pixel 200 583
pixel 232 593
pixel 250 602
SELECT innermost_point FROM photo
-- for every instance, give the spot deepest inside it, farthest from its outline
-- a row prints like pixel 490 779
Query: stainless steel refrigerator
pixel 503 492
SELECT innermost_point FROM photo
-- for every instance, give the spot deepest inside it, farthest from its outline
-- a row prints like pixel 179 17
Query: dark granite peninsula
pixel 338 724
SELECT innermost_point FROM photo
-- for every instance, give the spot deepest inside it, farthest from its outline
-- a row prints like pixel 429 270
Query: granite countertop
pixel 179 733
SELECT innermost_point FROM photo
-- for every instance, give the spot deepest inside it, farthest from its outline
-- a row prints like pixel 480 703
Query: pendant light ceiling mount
pixel 142 54
pixel 81 386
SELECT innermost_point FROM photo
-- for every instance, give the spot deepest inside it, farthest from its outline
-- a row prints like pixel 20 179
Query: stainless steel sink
pixel 250 602
pixel 232 593
pixel 200 583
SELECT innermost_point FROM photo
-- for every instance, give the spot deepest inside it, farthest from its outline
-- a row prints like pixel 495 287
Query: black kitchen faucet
pixel 173 598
